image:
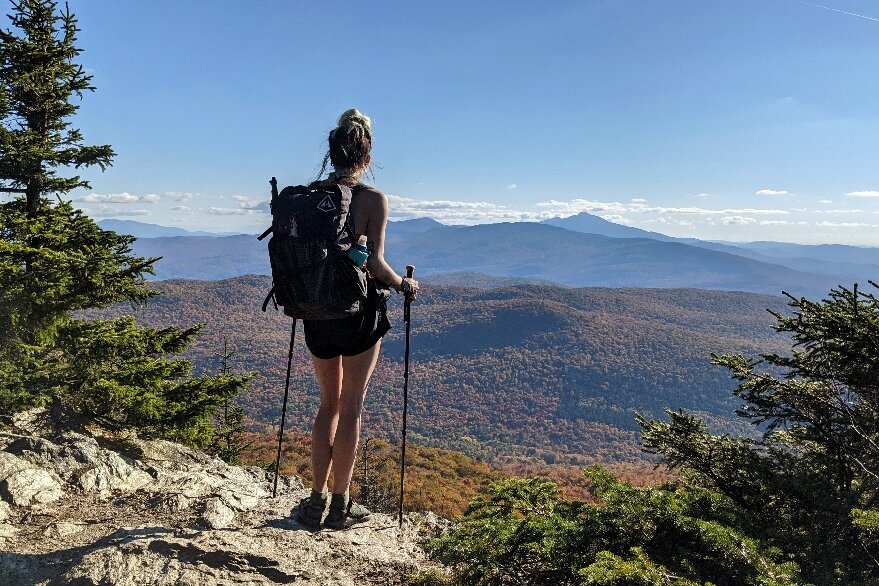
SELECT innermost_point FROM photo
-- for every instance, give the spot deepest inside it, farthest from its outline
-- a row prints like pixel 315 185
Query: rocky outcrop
pixel 76 509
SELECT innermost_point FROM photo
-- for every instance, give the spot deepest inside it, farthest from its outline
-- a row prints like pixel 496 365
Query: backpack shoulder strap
pixel 348 193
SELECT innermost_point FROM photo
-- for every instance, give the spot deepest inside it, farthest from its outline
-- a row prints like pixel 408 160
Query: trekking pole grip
pixel 410 272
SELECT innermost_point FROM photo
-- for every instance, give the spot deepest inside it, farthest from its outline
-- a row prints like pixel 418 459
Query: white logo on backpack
pixel 326 205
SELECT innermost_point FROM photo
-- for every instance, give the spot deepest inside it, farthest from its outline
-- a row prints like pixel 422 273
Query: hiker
pixel 345 351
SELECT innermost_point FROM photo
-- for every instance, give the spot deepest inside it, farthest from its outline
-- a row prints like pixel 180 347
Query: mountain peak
pixel 592 224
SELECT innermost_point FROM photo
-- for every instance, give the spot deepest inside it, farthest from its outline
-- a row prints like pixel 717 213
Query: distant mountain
pixel 846 264
pixel 206 257
pixel 415 226
pixel 540 251
pixel 532 251
pixel 590 224
pixel 221 257
pixel 825 252
pixel 843 264
pixel 144 230
pixel 538 373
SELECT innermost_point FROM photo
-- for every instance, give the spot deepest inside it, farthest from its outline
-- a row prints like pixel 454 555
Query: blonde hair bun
pixel 354 117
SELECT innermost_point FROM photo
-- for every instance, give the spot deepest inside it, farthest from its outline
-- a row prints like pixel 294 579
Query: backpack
pixel 312 276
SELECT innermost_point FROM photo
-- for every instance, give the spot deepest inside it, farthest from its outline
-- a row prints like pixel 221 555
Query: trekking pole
pixel 410 272
pixel 284 411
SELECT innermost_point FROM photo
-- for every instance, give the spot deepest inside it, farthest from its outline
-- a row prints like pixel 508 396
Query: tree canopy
pixel 797 505
pixel 39 76
pixel 55 261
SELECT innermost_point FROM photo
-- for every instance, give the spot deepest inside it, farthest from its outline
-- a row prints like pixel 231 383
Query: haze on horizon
pixel 739 121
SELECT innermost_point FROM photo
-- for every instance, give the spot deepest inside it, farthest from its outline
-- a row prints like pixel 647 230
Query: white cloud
pixel 703 195
pixel 184 209
pixel 246 203
pixel 576 206
pixel 658 220
pixel 179 196
pixel 637 211
pixel 738 221
pixel 825 201
pixel 863 193
pixel 109 198
pixel 511 187
pixel 460 212
pixel 228 211
pixel 826 224
pixel 151 198
pixel 105 211
pixel 839 211
pixel 772 192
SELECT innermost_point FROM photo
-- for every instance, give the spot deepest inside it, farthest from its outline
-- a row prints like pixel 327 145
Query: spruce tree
pixel 810 484
pixel 55 261
pixel 39 77
pixel 796 503
pixel 228 441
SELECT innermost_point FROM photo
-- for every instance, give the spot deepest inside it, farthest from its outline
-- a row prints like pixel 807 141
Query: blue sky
pixel 746 120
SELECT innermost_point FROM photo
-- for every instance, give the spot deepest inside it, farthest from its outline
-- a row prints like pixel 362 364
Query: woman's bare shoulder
pixel 372 197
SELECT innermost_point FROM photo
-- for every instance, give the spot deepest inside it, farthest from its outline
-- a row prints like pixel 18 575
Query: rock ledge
pixel 82 510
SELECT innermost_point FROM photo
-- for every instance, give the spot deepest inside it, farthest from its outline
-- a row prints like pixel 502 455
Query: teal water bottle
pixel 358 253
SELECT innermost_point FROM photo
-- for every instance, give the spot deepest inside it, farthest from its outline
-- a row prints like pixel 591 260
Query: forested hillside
pixel 524 373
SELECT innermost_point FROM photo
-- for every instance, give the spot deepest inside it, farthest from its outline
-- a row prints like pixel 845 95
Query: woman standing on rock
pixel 345 351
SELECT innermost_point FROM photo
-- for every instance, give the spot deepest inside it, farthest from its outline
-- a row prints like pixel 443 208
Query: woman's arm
pixel 377 221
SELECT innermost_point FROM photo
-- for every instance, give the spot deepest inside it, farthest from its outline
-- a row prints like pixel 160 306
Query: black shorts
pixel 348 336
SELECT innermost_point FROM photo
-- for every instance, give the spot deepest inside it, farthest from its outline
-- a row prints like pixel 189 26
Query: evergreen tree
pixel 810 485
pixel 39 76
pixel 54 261
pixel 798 506
pixel 524 533
pixel 229 422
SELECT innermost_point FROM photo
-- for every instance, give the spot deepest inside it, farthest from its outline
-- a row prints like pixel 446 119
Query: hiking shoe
pixel 344 512
pixel 312 510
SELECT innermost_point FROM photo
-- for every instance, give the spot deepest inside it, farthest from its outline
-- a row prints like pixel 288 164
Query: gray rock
pixel 153 512
pixel 170 502
pixel 10 464
pixel 64 529
pixel 29 486
pixel 77 460
pixel 6 532
pixel 217 514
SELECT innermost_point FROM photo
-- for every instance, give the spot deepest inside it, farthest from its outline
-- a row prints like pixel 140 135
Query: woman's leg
pixel 357 372
pixel 329 378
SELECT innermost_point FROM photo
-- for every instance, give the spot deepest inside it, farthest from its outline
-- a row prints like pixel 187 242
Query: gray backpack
pixel 312 276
